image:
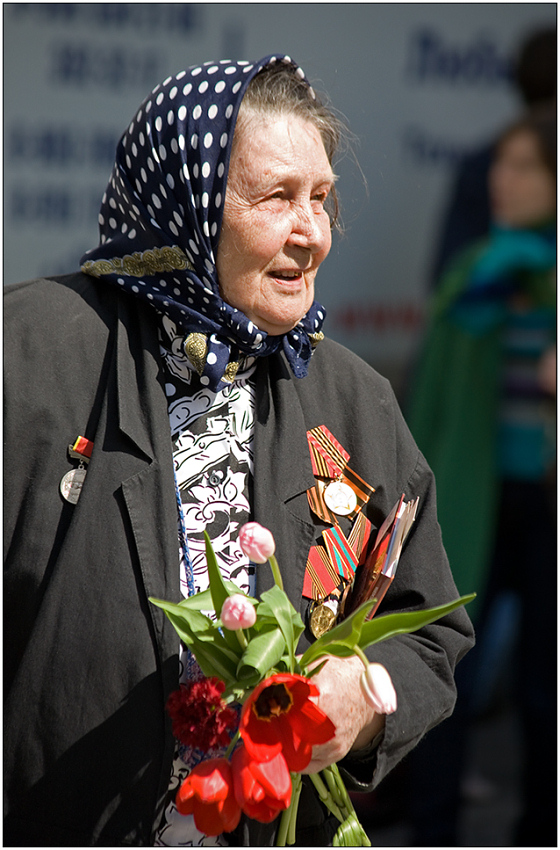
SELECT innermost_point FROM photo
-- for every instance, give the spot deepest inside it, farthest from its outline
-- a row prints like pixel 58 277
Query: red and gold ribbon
pixel 83 446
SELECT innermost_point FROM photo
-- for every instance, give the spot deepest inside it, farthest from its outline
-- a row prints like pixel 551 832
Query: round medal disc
pixel 321 619
pixel 340 498
pixel 71 484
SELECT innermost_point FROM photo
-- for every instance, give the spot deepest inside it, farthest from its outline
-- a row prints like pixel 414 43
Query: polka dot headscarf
pixel 161 215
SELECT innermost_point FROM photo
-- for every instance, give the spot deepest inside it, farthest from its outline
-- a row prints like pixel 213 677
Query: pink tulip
pixel 238 613
pixel 256 542
pixel 377 688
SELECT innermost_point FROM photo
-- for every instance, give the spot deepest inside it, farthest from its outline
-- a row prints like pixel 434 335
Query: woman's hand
pixel 341 698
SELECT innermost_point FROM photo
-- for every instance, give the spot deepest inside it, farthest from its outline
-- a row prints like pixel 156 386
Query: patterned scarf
pixel 161 215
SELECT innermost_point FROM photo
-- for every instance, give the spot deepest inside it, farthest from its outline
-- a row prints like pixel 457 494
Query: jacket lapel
pixel 283 474
pixel 148 489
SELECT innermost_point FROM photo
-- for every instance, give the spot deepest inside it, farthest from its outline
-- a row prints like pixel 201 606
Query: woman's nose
pixel 310 229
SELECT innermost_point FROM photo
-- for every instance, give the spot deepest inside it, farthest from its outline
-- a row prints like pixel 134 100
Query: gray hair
pixel 279 90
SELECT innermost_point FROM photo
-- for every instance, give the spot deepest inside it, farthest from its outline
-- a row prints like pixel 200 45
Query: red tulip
pixel 207 793
pixel 280 717
pixel 262 789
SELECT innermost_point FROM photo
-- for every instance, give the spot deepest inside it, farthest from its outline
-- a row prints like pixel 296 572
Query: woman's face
pixel 275 230
pixel 522 189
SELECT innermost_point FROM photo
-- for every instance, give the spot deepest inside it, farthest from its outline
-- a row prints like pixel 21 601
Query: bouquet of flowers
pixel 246 649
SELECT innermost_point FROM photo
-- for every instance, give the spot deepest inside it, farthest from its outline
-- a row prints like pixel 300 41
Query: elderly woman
pixel 188 356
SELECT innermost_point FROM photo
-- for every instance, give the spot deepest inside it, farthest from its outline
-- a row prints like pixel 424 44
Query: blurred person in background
pixel 482 410
pixel 468 215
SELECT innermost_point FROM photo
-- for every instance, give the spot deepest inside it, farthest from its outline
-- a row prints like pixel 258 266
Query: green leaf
pixel 214 661
pixel 218 588
pixel 265 650
pixel 209 649
pixel 188 617
pixel 219 592
pixel 345 635
pixel 203 601
pixel 384 627
pixel 199 601
pixel 274 603
pixel 315 670
pixel 197 631
pixel 341 640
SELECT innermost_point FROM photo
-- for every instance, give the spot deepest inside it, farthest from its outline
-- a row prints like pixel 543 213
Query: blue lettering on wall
pixel 175 18
pixel 479 62
pixel 426 149
pixel 49 206
pixel 55 146
pixel 55 205
pixel 114 68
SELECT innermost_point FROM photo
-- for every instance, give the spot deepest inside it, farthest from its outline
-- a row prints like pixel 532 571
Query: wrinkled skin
pixel 341 698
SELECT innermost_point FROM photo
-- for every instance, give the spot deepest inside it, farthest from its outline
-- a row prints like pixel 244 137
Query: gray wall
pixel 419 83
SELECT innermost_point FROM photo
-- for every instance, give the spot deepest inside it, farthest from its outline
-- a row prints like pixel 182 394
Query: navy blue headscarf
pixel 161 216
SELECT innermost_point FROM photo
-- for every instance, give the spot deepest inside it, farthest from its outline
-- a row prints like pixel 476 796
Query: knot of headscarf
pixel 161 216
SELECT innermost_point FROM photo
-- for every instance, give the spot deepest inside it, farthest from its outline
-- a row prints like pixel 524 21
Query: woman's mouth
pixel 286 276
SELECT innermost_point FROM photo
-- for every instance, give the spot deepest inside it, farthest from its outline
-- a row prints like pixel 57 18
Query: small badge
pixel 72 483
pixel 340 498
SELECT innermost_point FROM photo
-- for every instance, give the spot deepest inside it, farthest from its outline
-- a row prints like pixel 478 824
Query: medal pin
pixel 72 482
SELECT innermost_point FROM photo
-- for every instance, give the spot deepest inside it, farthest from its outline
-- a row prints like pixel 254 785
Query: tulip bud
pixel 256 542
pixel 238 613
pixel 377 688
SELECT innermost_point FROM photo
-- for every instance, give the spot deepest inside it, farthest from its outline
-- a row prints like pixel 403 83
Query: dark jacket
pixel 89 661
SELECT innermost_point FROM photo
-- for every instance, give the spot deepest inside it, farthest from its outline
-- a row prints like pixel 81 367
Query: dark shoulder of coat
pixel 81 358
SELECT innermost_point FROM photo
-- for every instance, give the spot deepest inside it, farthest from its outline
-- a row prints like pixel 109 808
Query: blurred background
pixel 426 89
pixel 420 84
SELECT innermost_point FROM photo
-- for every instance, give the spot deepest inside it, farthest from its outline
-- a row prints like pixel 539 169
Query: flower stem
pixel 341 788
pixel 276 571
pixel 241 638
pixel 296 791
pixel 232 744
pixel 286 817
pixel 329 775
pixel 350 832
pixel 283 828
pixel 361 655
pixel 326 796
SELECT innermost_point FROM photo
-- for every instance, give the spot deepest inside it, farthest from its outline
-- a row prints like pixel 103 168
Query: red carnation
pixel 262 789
pixel 207 793
pixel 280 717
pixel 200 718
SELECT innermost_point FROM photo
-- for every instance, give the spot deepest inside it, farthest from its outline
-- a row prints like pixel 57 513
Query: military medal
pixel 322 617
pixel 71 484
pixel 73 481
pixel 338 492
pixel 340 498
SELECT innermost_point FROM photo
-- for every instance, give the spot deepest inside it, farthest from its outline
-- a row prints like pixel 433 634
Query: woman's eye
pixel 322 195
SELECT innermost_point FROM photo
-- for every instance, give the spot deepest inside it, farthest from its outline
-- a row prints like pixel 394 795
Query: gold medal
pixel 322 617
pixel 72 483
pixel 340 498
